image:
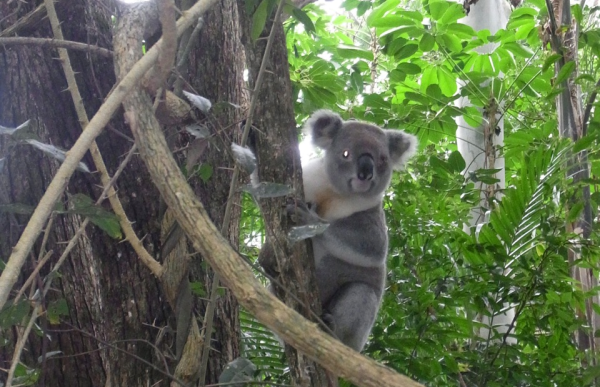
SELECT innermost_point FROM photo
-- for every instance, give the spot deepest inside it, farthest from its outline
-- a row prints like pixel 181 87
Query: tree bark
pixel 276 144
pixel 110 294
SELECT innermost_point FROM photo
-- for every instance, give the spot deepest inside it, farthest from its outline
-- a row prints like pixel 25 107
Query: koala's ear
pixel 322 126
pixel 402 147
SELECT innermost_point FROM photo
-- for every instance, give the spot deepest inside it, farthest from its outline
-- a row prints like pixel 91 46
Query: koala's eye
pixel 346 153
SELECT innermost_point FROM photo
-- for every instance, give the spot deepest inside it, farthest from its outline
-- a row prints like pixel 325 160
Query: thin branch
pixel 12 270
pixel 55 43
pixel 21 344
pixel 29 20
pixel 588 108
pixel 115 203
pixel 166 12
pixel 210 310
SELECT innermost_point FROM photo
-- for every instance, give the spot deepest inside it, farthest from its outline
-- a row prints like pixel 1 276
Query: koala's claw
pixel 328 323
pixel 299 212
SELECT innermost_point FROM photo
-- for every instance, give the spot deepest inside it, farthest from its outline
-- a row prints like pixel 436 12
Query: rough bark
pixel 110 295
pixel 571 125
pixel 480 147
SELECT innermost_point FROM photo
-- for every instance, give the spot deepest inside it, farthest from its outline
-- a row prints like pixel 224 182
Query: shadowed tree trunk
pixel 112 297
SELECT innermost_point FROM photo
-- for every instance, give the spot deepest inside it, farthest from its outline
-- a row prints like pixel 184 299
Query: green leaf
pixel 56 309
pixel 450 42
pixel 107 221
pixel 390 21
pixel 197 289
pixel 354 52
pixel 452 14
pixel 550 61
pixel 239 370
pixel 356 81
pixel 205 172
pixel 304 19
pixel 583 143
pixel 456 162
pixel 378 12
pixel 564 73
pixel 427 42
pixel 14 314
pixel 518 49
pixel 259 19
pixel 406 51
pixel 447 81
pixel 437 9
pixel 409 68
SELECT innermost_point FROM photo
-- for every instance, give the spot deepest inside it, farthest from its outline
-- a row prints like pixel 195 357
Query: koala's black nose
pixel 365 167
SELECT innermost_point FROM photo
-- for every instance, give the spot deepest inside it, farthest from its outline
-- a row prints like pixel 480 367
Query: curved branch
pixel 45 207
pixel 55 43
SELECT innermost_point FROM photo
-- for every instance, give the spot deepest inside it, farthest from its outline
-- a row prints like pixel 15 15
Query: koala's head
pixel 359 157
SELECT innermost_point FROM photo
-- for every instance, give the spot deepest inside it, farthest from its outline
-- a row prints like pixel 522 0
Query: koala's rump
pixel 333 274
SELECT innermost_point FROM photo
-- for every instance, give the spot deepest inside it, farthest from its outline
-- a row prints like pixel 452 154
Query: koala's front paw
pixel 329 323
pixel 299 212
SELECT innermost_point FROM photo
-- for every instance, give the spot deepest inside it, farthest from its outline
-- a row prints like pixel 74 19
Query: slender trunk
pixel 571 125
pixel 480 146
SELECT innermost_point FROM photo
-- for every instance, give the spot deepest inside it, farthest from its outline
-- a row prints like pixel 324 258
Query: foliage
pixel 398 64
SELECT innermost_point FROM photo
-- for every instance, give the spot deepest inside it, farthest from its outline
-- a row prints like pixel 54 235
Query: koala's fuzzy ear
pixel 322 126
pixel 402 147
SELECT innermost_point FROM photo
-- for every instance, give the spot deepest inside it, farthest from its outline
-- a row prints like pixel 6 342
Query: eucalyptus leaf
pixel 198 101
pixel 11 131
pixel 265 190
pixel 299 233
pixel 55 153
pixel 244 157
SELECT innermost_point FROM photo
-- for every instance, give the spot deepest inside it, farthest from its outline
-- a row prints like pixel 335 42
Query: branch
pixel 55 43
pixel 113 198
pixel 45 207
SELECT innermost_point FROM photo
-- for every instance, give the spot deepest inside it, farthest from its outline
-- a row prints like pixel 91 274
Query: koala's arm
pixel 359 239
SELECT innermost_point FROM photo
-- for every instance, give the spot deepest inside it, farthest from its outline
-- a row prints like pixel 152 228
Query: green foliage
pixel 398 64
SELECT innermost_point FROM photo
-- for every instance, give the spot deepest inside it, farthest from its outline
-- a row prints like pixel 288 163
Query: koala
pixel 345 188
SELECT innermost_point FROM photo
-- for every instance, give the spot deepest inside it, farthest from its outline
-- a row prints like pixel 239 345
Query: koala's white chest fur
pixel 330 205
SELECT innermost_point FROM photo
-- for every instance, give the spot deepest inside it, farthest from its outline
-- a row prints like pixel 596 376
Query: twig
pixel 12 270
pixel 30 19
pixel 85 222
pixel 55 43
pixel 166 12
pixel 32 276
pixel 115 203
pixel 21 344
pixel 210 310
pixel 588 108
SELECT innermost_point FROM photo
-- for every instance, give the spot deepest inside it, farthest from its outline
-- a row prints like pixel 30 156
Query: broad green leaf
pixel 259 19
pixel 452 14
pixel 460 30
pixel 564 73
pixel 14 314
pixel 550 61
pixel 107 221
pixel 406 51
pixel 437 9
pixel 356 81
pixel 518 49
pixel 447 81
pixel 205 172
pixel 57 309
pixel 304 19
pixel 392 21
pixel 451 42
pixel 456 162
pixel 409 68
pixel 354 52
pixel 428 77
pixel 427 42
pixel 378 12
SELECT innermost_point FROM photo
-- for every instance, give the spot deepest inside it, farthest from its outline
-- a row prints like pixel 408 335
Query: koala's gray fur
pixel 345 188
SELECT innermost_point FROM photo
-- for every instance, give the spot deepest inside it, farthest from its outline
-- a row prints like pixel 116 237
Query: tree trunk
pixel 480 146
pixel 571 125
pixel 111 295
pixel 276 143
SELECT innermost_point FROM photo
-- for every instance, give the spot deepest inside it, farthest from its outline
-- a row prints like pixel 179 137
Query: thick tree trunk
pixel 571 125
pixel 111 295
pixel 276 142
